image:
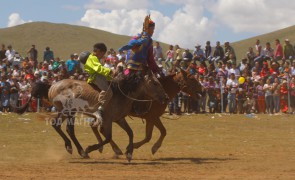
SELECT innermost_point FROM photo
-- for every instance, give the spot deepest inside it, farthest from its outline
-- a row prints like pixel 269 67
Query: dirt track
pixel 196 147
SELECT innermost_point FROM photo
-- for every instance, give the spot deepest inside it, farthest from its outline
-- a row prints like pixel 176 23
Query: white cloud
pixel 15 19
pixel 186 27
pixel 254 16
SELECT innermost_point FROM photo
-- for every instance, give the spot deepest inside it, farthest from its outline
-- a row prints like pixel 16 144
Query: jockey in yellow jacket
pixel 99 76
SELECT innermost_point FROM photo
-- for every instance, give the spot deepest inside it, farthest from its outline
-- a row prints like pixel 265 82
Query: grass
pixel 196 146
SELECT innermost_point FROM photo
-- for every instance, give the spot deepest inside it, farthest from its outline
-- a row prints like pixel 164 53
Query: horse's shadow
pixel 159 161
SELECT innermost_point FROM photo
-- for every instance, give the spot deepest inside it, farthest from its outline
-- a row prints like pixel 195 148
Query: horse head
pixel 153 88
pixel 188 84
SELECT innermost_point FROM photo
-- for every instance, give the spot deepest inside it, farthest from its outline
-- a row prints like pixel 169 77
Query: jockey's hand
pixel 113 73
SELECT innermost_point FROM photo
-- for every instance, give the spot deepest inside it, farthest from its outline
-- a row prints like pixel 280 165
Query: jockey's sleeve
pixel 151 60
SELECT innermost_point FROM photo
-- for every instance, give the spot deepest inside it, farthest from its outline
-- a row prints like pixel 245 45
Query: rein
pixel 139 100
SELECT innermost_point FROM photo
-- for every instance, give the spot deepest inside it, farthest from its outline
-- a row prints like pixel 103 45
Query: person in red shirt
pixel 278 51
pixel 264 70
pixel 284 97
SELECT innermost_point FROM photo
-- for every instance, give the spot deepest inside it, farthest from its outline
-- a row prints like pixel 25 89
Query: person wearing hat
pixel 199 54
pixel 288 51
pixel 140 50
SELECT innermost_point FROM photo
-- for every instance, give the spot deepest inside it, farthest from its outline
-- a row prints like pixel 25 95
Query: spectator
pixel 211 89
pixel 268 96
pixel 5 95
pixel 199 54
pixel 208 50
pixel 178 55
pixel 250 55
pixel 240 98
pixel 218 53
pixel 229 50
pixel 292 94
pixel 258 48
pixel 292 69
pixel 284 97
pixel 72 65
pixel 288 51
pixel 278 55
pixel 242 64
pixel 48 54
pixel 2 52
pixel 249 104
pixel 14 92
pixel 260 97
pixel 9 55
pixel 234 70
pixel 158 53
pixel 222 73
pixel 203 98
pixel 33 55
pixel 170 56
pixel 232 85
pixel 276 95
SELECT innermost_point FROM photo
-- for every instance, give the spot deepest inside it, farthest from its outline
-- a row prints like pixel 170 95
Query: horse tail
pixel 39 90
pixel 22 109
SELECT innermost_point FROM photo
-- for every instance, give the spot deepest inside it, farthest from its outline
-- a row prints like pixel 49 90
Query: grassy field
pixel 196 147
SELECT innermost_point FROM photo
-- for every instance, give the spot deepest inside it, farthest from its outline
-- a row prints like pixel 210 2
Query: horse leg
pixel 115 147
pixel 107 126
pixel 56 124
pixel 129 149
pixel 148 134
pixel 71 132
pixel 98 137
pixel 162 130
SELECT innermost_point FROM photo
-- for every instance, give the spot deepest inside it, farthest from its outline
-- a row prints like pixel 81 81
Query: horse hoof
pixel 84 155
pixel 100 149
pixel 118 152
pixel 154 150
pixel 129 157
pixel 69 149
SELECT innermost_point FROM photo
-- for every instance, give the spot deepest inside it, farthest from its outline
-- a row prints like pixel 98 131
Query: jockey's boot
pixel 98 114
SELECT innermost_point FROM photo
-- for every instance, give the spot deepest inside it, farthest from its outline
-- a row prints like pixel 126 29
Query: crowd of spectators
pixel 263 81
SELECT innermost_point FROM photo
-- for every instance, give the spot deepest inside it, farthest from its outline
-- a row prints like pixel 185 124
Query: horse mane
pixel 127 84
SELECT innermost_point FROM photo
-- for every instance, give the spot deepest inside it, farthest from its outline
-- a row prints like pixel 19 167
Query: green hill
pixel 65 39
pixel 241 47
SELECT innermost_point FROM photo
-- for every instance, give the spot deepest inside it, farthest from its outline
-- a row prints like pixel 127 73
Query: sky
pixel 186 22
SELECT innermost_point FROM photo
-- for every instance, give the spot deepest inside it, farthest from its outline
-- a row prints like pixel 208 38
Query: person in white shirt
pixel 10 53
pixel 267 88
pixel 234 70
pixel 232 85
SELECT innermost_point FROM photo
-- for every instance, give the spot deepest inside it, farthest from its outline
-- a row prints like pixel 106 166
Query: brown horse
pixel 172 84
pixel 66 94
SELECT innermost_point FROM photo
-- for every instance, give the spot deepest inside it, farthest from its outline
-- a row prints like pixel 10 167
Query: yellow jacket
pixel 94 67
